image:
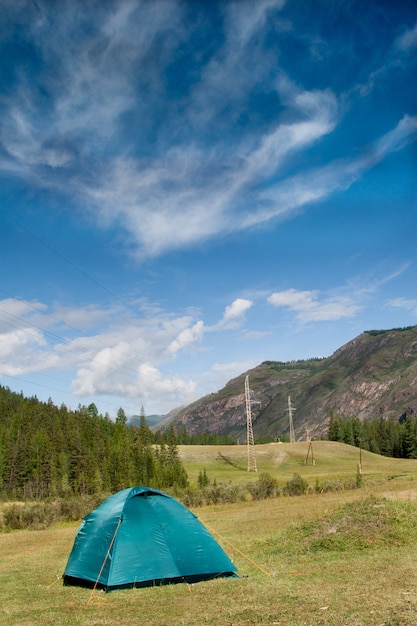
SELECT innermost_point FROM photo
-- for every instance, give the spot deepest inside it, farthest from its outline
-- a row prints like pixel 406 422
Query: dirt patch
pixel 406 494
pixel 274 451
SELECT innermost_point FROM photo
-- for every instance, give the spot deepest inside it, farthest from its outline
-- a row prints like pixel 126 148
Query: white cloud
pixel 234 368
pixel 245 18
pixel 407 304
pixel 407 40
pixel 237 66
pixel 199 203
pixel 185 191
pixel 186 338
pixel 118 354
pixel 222 373
pixel 234 314
pixel 23 350
pixel 13 307
pixel 236 309
pixel 317 110
pixel 148 382
pixel 90 84
pixel 121 355
pixel 309 308
pixel 187 188
pixel 290 195
pixel 294 299
pixel 404 133
pixel 253 335
pixel 394 273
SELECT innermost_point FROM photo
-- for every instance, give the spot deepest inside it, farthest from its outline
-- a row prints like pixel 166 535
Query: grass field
pixel 332 460
pixel 340 558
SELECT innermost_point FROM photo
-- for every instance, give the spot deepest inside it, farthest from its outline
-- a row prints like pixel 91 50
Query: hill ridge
pixel 373 375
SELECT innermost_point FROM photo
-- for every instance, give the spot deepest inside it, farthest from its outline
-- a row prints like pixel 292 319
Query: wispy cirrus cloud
pixel 407 40
pixel 73 113
pixel 310 307
pixel 190 194
pixel 309 186
pixel 105 128
pixel 407 304
pixel 316 306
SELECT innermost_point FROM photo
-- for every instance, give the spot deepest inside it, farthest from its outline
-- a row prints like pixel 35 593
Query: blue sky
pixel 188 189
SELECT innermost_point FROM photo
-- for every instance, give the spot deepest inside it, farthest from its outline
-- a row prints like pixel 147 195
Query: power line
pixel 70 343
pixel 63 257
pixel 61 391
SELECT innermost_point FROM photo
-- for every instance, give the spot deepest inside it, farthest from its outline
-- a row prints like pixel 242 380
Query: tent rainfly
pixel 141 537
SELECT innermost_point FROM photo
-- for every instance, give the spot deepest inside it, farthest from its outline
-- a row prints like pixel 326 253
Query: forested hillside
pixel 46 451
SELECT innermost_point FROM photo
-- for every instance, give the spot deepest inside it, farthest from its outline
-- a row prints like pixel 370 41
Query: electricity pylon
pixel 290 410
pixel 249 429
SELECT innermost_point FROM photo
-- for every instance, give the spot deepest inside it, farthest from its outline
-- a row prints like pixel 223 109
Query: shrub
pixel 40 515
pixel 33 515
pixel 214 494
pixel 297 486
pixel 75 508
pixel 265 487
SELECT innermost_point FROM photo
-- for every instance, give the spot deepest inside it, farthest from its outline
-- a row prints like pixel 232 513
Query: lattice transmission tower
pixel 249 429
pixel 290 410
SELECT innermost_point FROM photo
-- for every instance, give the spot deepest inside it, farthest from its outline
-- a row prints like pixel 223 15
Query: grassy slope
pixel 332 460
pixel 297 584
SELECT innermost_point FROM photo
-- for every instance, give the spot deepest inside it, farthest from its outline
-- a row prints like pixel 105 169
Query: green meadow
pixel 325 460
pixel 345 556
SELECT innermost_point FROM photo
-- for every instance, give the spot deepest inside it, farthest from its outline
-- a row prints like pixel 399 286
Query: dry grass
pixel 281 461
pixel 297 585
pixel 331 559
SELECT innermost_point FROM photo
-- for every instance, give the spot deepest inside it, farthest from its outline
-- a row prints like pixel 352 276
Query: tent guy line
pixel 212 530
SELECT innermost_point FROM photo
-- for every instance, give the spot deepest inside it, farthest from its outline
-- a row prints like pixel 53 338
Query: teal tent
pixel 140 537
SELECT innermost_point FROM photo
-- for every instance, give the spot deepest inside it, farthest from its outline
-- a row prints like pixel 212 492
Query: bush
pixel 75 508
pixel 265 487
pixel 214 494
pixel 40 515
pixel 297 486
pixel 33 515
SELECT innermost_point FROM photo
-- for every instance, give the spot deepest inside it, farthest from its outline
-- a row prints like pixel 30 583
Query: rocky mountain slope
pixel 374 375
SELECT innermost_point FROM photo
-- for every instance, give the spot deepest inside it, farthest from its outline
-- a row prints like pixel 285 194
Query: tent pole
pixel 104 562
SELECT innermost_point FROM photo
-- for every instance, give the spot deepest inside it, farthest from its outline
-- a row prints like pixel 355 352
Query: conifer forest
pixel 48 451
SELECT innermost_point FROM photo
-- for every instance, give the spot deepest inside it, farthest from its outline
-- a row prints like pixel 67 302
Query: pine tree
pixel 144 455
pixel 335 428
pixel 409 438
pixel 121 417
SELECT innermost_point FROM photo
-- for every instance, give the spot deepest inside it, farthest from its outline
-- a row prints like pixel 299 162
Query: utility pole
pixel 290 410
pixel 249 429
pixel 310 447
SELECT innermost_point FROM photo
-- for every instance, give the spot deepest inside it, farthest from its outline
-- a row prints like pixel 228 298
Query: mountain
pixel 155 422
pixel 151 420
pixel 374 375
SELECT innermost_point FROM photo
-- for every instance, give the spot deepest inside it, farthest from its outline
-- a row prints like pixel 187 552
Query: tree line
pixel 394 438
pixel 48 451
